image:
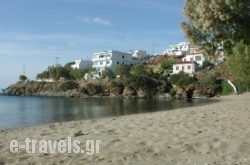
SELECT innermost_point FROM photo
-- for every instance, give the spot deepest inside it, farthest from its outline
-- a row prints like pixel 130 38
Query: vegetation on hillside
pixel 65 72
pixel 182 79
pixel 212 22
pixel 167 65
pixel 239 62
pixel 22 78
pixel 224 23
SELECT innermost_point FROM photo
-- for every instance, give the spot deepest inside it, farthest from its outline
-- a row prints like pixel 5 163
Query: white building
pixel 112 58
pixel 179 49
pixel 198 58
pixel 81 64
pixel 186 67
pixel 140 54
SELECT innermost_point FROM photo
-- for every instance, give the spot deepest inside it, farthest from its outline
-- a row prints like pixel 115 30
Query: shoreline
pixel 216 133
pixel 212 101
pixel 176 104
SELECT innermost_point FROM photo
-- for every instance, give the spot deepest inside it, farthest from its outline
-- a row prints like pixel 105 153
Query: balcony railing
pixel 101 59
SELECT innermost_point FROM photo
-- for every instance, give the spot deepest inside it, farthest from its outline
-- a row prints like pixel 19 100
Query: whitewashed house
pixel 110 59
pixel 186 67
pixel 179 49
pixel 139 54
pixel 81 64
pixel 198 58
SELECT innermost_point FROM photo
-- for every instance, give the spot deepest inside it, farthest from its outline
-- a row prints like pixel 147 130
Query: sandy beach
pixel 218 133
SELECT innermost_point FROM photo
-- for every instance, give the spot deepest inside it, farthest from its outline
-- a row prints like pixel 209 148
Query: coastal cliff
pixel 106 88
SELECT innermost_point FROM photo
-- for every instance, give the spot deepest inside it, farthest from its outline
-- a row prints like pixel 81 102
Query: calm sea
pixel 30 111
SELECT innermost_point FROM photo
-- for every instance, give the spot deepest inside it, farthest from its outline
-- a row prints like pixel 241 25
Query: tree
pixel 55 73
pixel 167 65
pixel 108 73
pixel 76 74
pixel 140 77
pixel 139 69
pixel 122 70
pixel 140 81
pixel 22 78
pixel 239 62
pixel 68 65
pixel 212 22
pixel 43 75
pixel 68 85
pixel 58 72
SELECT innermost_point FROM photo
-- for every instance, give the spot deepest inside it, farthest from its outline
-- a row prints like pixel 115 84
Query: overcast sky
pixel 34 32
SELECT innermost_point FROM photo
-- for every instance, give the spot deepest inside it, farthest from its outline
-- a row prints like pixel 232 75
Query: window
pixel 101 63
pixel 197 58
pixel 177 67
pixel 122 56
pixel 189 67
pixel 107 62
pixel 182 68
pixel 118 62
pixel 101 56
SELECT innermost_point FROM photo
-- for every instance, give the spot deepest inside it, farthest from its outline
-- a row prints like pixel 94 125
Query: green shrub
pixel 182 79
pixel 172 92
pixel 226 88
pixel 167 65
pixel 108 73
pixel 241 86
pixel 122 70
pixel 116 84
pixel 206 64
pixel 22 78
pixel 211 81
pixel 140 81
pixel 68 85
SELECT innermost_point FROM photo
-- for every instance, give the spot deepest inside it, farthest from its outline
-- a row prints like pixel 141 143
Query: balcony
pixel 101 59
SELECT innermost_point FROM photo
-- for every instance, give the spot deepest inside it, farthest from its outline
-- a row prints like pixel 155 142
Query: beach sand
pixel 218 133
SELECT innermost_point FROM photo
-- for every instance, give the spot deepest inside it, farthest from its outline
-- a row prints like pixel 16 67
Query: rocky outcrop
pixel 129 92
pixel 93 89
pixel 193 91
pixel 143 93
pixel 104 89
pixel 179 91
pixel 59 89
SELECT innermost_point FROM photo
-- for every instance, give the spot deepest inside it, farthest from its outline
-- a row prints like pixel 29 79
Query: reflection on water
pixel 27 111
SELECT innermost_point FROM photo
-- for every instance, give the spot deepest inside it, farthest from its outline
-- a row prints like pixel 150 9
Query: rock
pixel 189 91
pixel 129 91
pixel 179 92
pixel 93 89
pixel 142 93
pixel 80 133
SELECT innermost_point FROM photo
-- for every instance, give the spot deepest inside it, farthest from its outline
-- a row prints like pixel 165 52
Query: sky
pixel 34 32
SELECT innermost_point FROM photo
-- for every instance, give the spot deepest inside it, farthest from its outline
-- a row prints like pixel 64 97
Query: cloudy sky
pixel 34 32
